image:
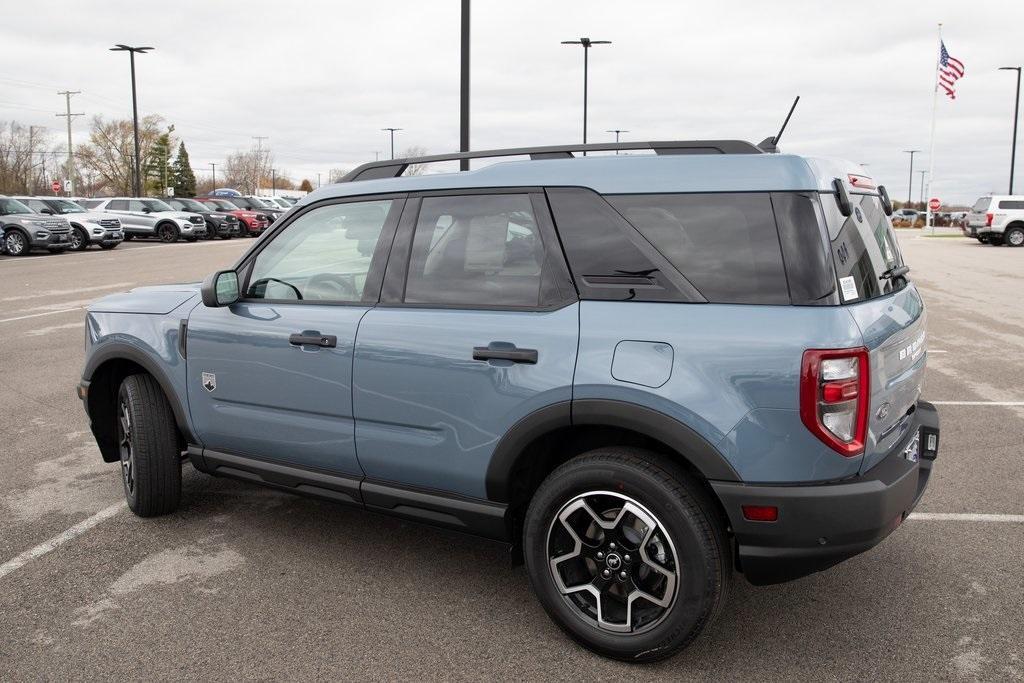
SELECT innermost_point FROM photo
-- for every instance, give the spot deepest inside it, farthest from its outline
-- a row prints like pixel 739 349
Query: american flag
pixel 950 69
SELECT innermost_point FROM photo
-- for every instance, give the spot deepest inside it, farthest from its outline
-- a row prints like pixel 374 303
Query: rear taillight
pixel 988 220
pixel 834 397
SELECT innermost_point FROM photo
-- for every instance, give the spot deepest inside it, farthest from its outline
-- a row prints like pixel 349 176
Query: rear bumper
pixel 819 526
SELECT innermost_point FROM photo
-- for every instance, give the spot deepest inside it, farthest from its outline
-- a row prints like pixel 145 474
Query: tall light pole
pixel 392 131
pixel 71 155
pixel 137 185
pixel 910 186
pixel 1016 115
pixel 463 89
pixel 616 131
pixel 586 43
pixel 923 174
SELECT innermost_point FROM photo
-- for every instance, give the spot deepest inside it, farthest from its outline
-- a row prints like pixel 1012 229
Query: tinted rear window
pixel 725 244
pixel 863 249
pixel 1011 204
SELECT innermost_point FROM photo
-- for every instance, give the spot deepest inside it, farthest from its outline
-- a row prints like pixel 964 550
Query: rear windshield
pixel 864 249
pixel 981 204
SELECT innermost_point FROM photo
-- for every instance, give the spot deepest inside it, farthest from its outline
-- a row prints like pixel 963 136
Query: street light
pixel 616 131
pixel 910 187
pixel 392 130
pixel 586 43
pixel 1016 111
pixel 137 185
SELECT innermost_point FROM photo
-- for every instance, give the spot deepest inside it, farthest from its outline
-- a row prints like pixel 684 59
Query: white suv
pixel 997 219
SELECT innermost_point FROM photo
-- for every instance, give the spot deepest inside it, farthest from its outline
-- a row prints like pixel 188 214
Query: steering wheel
pixel 335 281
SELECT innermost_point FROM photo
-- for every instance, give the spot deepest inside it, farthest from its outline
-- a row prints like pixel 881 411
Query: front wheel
pixel 167 233
pixel 148 447
pixel 79 239
pixel 1014 237
pixel 16 243
pixel 627 554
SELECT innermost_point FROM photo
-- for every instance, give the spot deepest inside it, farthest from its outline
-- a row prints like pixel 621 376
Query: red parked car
pixel 254 222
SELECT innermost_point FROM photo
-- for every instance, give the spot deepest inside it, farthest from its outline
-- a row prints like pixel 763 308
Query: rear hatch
pixel 890 314
pixel 977 216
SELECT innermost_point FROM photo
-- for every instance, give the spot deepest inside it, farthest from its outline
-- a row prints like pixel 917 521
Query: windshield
pixel 64 206
pixel 981 205
pixel 224 204
pixel 9 206
pixel 864 248
pixel 190 205
pixel 156 205
pixel 261 202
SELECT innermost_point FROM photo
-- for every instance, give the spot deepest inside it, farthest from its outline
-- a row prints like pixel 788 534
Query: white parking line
pixel 967 403
pixel 937 351
pixel 36 315
pixel 59 540
pixel 965 517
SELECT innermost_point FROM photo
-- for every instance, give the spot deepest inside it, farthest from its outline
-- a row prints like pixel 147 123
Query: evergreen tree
pixel 157 169
pixel 184 178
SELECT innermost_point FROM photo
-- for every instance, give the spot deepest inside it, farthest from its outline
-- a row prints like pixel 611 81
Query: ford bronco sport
pixel 643 372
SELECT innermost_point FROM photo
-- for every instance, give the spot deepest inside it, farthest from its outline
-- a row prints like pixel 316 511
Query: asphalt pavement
pixel 245 583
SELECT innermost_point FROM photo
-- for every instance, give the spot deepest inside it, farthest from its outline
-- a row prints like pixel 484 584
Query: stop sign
pixel 934 204
pixel 55 186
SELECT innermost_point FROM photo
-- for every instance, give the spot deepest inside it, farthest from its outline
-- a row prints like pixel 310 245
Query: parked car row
pixel 56 224
pixel 997 219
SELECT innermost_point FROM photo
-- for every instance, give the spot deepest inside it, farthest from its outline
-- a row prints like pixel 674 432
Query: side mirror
pixel 220 289
pixel 842 197
pixel 886 202
pixel 146 209
pixel 48 212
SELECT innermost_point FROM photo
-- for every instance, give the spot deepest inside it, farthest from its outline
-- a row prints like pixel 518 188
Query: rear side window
pixel 1011 204
pixel 864 249
pixel 981 204
pixel 725 244
pixel 118 205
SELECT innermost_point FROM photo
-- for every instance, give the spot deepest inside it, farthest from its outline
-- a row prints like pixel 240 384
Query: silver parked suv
pixel 87 227
pixel 23 229
pixel 142 217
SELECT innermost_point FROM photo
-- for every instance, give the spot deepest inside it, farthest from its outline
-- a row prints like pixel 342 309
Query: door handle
pixel 328 341
pixel 516 355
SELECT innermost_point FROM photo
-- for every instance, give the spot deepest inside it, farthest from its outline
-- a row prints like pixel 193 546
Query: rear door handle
pixel 328 341
pixel 513 354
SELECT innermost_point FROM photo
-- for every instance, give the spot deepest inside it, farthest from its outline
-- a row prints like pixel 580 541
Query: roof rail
pixel 392 168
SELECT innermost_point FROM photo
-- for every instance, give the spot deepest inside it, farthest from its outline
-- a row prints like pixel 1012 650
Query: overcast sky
pixel 320 79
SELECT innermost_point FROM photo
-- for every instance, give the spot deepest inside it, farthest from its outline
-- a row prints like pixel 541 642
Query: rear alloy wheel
pixel 167 233
pixel 626 554
pixel 16 243
pixel 147 447
pixel 1014 237
pixel 79 240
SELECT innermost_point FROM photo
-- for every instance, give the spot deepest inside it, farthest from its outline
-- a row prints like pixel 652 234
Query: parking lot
pixel 244 582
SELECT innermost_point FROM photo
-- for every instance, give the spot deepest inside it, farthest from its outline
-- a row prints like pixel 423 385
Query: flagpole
pixel 931 151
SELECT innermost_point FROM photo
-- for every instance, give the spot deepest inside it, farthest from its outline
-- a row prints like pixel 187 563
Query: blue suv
pixel 644 372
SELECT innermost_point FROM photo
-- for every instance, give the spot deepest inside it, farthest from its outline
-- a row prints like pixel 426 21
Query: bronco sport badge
pixel 209 381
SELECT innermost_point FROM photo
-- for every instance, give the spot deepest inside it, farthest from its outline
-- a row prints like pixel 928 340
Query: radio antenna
pixel 771 144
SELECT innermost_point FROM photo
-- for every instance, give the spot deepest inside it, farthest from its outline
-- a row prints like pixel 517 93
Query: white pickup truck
pixel 997 219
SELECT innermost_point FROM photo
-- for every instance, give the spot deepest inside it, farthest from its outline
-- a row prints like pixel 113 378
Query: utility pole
pixel 464 89
pixel 910 186
pixel 214 167
pixel 616 131
pixel 259 161
pixel 318 179
pixel 71 155
pixel 273 181
pixel 923 173
pixel 392 131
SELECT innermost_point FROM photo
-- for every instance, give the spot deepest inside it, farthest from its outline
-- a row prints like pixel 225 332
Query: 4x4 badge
pixel 209 381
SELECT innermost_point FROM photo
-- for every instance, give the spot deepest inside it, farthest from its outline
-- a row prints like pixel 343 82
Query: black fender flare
pixel 681 438
pixel 118 351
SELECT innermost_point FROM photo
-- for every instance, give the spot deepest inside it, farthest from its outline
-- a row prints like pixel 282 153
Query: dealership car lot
pixel 247 582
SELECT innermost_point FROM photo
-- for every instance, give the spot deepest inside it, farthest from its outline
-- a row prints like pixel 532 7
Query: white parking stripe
pixel 36 315
pixel 937 351
pixel 967 403
pixel 965 517
pixel 59 540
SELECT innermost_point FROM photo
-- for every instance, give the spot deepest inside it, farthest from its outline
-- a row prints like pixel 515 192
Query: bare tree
pixel 108 155
pixel 414 151
pixel 336 174
pixel 28 158
pixel 248 170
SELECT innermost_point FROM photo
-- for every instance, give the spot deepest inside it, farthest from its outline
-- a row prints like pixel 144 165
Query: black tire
pixel 108 246
pixel 1014 237
pixel 56 251
pixel 148 446
pixel 191 239
pixel 79 240
pixel 128 236
pixel 647 488
pixel 167 232
pixel 983 239
pixel 16 244
pixel 996 240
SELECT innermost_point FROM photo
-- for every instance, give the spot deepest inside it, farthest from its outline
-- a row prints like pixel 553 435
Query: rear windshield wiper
pixel 894 272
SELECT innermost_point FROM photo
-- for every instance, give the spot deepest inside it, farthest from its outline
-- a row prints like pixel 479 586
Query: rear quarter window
pixel 725 244
pixel 1011 204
